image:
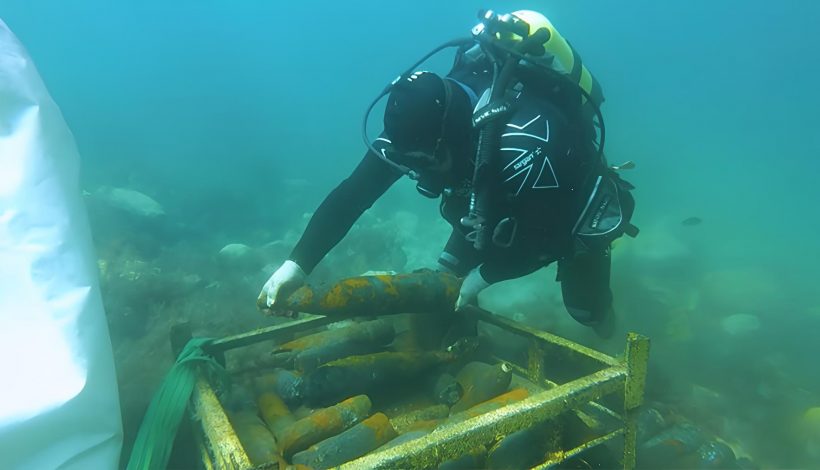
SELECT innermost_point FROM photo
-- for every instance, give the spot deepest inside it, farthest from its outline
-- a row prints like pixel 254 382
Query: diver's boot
pixel 605 327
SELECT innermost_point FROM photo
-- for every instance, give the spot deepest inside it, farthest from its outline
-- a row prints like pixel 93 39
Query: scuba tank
pixel 558 55
pixel 514 42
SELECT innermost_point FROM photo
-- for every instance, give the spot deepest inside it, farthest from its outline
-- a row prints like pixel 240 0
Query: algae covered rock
pixel 130 201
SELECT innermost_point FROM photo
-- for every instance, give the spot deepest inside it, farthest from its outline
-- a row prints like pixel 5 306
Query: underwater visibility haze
pixel 210 131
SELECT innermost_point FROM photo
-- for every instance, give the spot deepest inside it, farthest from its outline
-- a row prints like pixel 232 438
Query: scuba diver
pixel 511 141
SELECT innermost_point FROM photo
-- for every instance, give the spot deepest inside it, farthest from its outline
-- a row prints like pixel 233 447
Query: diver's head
pixel 425 119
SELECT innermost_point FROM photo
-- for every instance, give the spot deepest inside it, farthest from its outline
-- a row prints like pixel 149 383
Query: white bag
pixel 59 406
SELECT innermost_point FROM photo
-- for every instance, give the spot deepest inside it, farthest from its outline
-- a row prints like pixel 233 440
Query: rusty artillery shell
pixel 469 461
pixel 283 383
pixel 427 425
pixel 282 360
pixel 407 421
pixel 481 382
pixel 275 413
pixel 360 338
pixel 514 395
pixel 524 448
pixel 402 438
pixel 255 437
pixel 671 446
pixel 369 373
pixel 446 389
pixel 650 423
pixel 373 330
pixel 353 443
pixel 421 332
pixel 417 292
pixel 322 424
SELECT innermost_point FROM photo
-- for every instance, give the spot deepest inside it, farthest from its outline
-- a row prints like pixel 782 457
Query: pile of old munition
pixel 338 394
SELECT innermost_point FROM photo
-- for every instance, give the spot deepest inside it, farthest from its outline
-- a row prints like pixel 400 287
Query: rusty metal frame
pixel 625 377
pixel 222 446
pixel 219 447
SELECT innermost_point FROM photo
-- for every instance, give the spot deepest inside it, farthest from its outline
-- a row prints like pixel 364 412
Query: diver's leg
pixel 585 288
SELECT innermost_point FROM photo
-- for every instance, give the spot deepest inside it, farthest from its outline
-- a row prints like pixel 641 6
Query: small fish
pixel 691 221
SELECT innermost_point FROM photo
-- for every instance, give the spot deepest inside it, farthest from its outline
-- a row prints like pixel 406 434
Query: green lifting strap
pixel 155 438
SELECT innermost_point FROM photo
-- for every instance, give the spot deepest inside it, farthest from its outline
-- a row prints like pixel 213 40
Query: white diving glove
pixel 281 284
pixel 470 288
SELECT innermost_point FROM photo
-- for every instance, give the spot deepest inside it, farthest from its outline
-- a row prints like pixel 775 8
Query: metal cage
pixel 599 375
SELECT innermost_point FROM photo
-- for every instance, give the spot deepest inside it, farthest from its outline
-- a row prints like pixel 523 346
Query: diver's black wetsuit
pixel 546 176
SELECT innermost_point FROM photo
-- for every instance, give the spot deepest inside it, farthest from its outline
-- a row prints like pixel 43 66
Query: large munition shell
pixel 374 330
pixel 353 443
pixel 322 424
pixel 369 373
pixel 283 383
pixel 715 454
pixel 514 395
pixel 255 437
pixel 417 292
pixel 427 425
pixel 524 448
pixel 670 446
pixel 275 413
pixel 360 338
pixel 404 422
pixel 650 423
pixel 402 438
pixel 480 382
pixel 421 332
pixel 469 461
pixel 283 360
pixel 446 389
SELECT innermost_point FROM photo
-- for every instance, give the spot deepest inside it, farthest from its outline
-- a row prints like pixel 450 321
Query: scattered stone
pixel 235 251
